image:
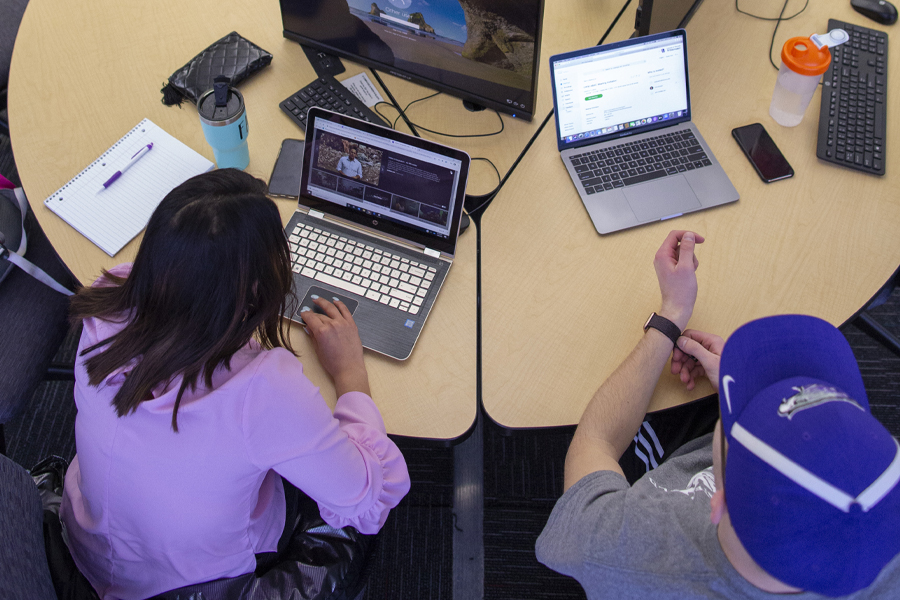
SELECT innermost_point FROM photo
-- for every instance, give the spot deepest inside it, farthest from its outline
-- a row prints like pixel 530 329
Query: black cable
pixel 413 102
pixel 381 114
pixel 488 161
pixel 393 101
pixel 453 135
pixel 471 135
pixel 743 12
pixel 777 20
pixel 489 194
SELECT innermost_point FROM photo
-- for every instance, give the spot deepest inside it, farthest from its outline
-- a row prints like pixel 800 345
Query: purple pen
pixel 137 156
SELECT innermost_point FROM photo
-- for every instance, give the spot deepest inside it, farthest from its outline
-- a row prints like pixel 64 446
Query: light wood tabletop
pixel 84 74
pixel 562 306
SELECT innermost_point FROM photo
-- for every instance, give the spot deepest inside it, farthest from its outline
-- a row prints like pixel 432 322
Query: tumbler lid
pixel 221 105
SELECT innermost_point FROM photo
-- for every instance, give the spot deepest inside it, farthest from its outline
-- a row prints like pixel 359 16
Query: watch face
pixel 650 318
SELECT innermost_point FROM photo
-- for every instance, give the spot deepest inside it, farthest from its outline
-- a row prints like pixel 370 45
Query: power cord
pixel 490 194
pixel 403 115
pixel 777 20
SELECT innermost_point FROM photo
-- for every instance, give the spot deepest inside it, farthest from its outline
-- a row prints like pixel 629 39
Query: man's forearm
pixel 615 412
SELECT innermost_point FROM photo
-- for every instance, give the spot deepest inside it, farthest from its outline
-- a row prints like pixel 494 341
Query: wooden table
pixel 83 74
pixel 563 306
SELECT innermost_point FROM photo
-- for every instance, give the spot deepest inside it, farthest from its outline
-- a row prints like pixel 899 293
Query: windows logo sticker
pixel 410 323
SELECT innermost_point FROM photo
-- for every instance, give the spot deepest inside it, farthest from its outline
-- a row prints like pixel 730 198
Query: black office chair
pixel 868 325
pixel 34 320
pixel 11 12
pixel 24 573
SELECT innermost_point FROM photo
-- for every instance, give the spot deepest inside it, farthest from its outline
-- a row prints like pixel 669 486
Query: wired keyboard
pixel 852 119
pixel 328 93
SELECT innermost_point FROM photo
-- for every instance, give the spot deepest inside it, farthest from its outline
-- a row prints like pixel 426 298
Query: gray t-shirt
pixel 654 539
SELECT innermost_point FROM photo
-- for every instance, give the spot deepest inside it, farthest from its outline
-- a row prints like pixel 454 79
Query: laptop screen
pixel 607 90
pixel 404 186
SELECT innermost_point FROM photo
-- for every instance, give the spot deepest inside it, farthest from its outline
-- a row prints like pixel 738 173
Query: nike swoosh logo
pixel 725 381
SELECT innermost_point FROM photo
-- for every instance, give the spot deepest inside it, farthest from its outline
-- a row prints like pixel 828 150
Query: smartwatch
pixel 667 327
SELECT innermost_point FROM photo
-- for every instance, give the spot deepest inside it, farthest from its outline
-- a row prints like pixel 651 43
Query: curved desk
pixel 563 306
pixel 83 74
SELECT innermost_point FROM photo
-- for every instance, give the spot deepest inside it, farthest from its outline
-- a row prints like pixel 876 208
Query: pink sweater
pixel 147 510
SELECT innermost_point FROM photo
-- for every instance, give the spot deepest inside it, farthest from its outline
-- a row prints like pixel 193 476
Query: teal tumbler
pixel 223 117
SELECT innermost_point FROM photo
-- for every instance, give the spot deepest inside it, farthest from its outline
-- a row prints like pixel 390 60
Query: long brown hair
pixel 212 270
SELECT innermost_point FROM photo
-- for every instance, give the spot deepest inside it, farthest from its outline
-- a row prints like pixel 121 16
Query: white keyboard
pixel 360 269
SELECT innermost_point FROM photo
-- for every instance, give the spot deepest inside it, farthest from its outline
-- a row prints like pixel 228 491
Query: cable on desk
pixel 393 102
pixel 482 196
pixel 423 128
pixel 413 102
pixel 777 20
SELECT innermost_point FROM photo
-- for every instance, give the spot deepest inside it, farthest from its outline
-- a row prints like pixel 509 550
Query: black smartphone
pixel 764 155
pixel 285 179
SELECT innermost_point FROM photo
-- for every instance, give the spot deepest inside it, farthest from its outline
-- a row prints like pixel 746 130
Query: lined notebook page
pixel 113 217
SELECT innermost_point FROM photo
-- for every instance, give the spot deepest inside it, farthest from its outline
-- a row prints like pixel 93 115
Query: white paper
pixel 113 217
pixel 361 87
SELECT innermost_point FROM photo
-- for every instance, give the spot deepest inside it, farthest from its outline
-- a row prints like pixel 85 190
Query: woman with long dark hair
pixel 192 406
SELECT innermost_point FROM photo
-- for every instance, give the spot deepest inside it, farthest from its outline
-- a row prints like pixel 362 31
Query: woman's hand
pixel 337 343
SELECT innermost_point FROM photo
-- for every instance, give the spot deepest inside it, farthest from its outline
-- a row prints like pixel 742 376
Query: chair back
pixel 24 573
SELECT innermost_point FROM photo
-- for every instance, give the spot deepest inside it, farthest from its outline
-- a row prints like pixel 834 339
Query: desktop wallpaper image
pixel 489 39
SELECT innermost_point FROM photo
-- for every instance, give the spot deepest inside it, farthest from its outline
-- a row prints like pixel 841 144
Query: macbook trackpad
pixel 661 198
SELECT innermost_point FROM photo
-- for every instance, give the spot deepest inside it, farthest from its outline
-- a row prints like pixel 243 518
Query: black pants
pixel 664 431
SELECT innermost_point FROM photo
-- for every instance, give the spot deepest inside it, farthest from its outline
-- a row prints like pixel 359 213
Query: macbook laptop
pixel 376 226
pixel 624 132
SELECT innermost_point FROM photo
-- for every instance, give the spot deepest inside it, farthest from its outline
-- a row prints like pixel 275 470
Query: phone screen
pixel 285 179
pixel 764 155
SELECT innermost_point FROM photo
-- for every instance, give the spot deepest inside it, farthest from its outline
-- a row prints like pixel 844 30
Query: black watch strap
pixel 669 329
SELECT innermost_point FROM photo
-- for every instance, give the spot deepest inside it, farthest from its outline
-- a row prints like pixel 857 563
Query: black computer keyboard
pixel 852 120
pixel 636 162
pixel 328 93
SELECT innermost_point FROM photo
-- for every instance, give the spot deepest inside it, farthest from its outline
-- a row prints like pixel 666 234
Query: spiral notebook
pixel 113 217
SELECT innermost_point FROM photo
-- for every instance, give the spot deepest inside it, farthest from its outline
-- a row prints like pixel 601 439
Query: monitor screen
pixel 484 51
pixel 381 177
pixel 635 84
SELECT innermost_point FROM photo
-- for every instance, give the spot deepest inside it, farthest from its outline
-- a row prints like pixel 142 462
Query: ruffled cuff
pixel 388 478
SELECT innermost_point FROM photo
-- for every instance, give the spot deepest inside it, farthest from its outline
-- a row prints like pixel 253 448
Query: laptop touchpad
pixel 661 198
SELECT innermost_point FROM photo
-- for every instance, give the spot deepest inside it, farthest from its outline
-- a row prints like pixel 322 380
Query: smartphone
pixel 285 179
pixel 764 155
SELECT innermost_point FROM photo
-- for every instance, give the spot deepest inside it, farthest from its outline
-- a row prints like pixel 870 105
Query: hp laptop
pixel 376 226
pixel 624 132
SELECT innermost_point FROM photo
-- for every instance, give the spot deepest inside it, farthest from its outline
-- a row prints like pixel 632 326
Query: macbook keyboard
pixel 356 267
pixel 636 162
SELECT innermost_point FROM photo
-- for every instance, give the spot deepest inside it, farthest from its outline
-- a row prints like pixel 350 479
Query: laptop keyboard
pixel 358 268
pixel 636 162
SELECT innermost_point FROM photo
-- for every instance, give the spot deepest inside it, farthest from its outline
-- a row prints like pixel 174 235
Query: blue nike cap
pixel 811 477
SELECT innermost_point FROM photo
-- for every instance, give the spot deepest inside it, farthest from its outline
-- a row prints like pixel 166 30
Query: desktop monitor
pixel 483 51
pixel 656 16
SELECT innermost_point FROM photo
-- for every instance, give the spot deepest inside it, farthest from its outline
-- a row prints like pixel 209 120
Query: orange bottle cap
pixel 802 56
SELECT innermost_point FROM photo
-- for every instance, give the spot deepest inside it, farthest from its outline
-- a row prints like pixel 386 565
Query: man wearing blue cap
pixel 795 492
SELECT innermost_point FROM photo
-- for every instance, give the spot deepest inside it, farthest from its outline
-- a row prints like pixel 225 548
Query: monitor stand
pixel 472 107
pixel 322 62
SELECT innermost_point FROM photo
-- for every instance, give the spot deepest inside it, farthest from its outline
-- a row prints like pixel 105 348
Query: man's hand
pixel 696 355
pixel 676 266
pixel 337 344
